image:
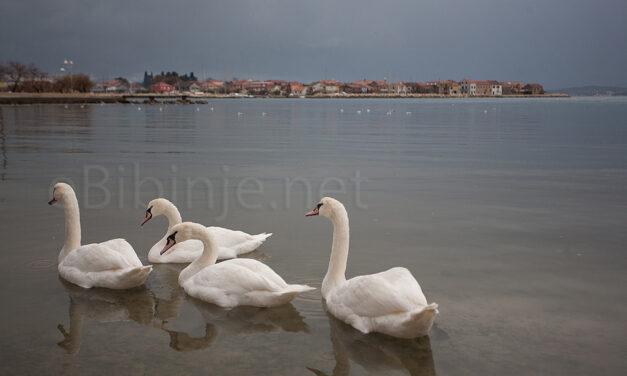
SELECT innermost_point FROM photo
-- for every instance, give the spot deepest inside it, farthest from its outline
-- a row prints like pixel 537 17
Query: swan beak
pixel 52 201
pixel 168 245
pixel 313 212
pixel 148 216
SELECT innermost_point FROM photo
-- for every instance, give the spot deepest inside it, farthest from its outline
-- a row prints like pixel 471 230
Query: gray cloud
pixel 558 43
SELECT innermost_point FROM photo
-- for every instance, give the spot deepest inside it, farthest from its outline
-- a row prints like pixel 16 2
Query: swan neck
pixel 208 257
pixel 339 254
pixel 173 215
pixel 72 226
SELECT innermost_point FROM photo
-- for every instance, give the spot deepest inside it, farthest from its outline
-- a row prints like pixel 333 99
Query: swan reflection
pixel 243 319
pixel 162 302
pixel 103 305
pixel 377 353
pixel 170 306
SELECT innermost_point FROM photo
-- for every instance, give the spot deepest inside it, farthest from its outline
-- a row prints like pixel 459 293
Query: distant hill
pixel 586 91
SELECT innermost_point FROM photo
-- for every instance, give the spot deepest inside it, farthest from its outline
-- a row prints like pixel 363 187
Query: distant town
pixel 19 78
pixel 170 82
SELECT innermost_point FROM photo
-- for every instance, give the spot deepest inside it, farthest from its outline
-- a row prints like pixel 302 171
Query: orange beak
pixel 313 212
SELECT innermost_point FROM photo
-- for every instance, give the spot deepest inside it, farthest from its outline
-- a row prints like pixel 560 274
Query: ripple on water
pixel 310 302
pixel 42 264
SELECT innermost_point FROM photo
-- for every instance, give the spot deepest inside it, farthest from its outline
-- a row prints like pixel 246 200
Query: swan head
pixel 182 232
pixel 60 192
pixel 327 207
pixel 155 208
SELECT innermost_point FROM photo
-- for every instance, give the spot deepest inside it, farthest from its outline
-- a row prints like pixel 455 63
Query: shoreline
pixel 149 98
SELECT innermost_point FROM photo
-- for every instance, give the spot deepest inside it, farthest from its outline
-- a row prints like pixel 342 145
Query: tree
pixel 123 80
pixel 36 81
pixel 3 73
pixel 15 73
pixel 80 82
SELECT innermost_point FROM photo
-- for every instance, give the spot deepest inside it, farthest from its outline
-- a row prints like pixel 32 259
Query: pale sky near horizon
pixel 557 43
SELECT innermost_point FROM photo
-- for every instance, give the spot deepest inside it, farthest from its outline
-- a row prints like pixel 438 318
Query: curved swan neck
pixel 173 215
pixel 72 225
pixel 208 257
pixel 339 253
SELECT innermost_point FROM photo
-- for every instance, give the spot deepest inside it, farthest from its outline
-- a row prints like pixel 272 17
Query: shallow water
pixel 510 213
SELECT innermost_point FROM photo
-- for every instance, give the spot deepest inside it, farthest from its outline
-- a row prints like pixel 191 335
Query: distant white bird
pixel 160 108
pixel 211 108
pixel 367 110
pixel 264 113
pixel 485 111
pixel 359 111
pixel 66 106
pixel 408 113
pixel 240 114
pixel 139 108
pixel 197 109
pixel 341 110
pixel 389 113
pixel 82 106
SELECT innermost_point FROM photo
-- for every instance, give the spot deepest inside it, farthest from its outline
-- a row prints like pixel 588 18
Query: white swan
pixel 230 283
pixel 112 264
pixel 390 302
pixel 230 243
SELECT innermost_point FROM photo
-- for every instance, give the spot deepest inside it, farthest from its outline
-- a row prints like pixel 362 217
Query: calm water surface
pixel 510 213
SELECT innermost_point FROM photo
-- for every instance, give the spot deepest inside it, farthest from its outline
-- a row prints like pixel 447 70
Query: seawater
pixel 510 213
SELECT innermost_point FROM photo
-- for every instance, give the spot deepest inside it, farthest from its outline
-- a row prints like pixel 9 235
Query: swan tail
pixel 134 277
pixel 260 238
pixel 421 320
pixel 291 291
pixel 299 288
pixel 254 242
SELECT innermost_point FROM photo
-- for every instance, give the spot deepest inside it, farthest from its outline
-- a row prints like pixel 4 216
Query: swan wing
pixel 228 238
pixel 233 243
pixel 97 257
pixel 235 278
pixel 125 249
pixel 261 269
pixel 390 292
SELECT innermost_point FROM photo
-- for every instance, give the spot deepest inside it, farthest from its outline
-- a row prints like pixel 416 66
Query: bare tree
pixel 3 73
pixel 36 80
pixel 16 72
pixel 81 83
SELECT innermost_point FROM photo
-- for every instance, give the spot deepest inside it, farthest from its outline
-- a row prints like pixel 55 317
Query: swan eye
pixel 148 211
pixel 319 205
pixel 171 237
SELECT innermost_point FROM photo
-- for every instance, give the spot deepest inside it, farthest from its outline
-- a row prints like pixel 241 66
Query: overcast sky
pixel 558 43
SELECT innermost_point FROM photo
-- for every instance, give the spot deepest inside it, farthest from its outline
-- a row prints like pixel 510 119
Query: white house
pixel 468 87
pixel 497 89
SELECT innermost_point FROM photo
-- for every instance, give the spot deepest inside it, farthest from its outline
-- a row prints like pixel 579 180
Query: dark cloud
pixel 558 43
